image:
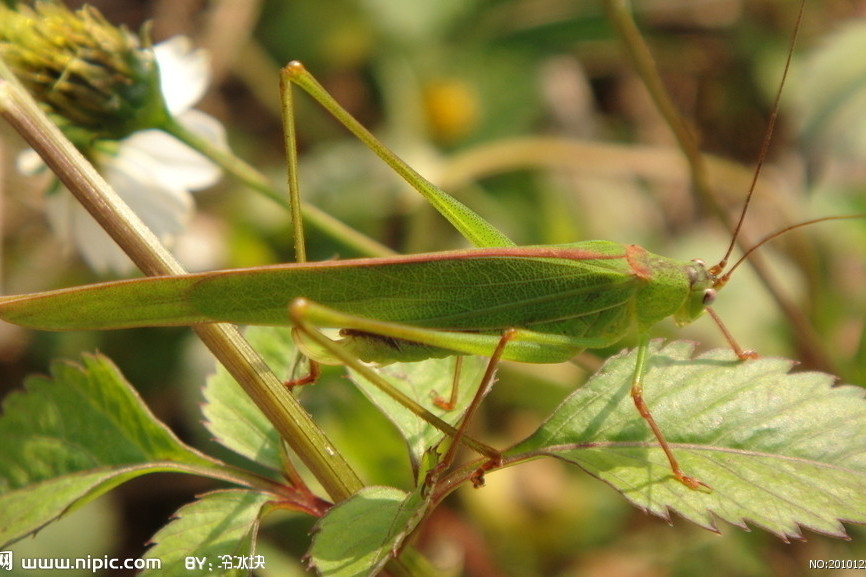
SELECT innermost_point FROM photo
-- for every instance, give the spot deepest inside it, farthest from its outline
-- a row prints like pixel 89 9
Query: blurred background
pixel 530 112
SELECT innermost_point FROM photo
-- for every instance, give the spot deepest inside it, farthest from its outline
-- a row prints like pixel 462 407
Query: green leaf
pixel 232 417
pixel 237 423
pixel 72 437
pixel 219 529
pixel 360 535
pixel 781 451
pixel 423 381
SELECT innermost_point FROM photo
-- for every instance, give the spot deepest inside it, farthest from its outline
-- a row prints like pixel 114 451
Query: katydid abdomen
pixel 590 293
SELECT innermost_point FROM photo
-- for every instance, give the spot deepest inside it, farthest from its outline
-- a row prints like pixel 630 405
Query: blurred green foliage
pixel 439 81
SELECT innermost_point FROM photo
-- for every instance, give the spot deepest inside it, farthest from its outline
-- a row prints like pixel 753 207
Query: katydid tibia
pixel 551 301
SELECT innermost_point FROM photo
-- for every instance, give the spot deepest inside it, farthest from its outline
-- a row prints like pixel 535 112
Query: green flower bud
pixel 94 78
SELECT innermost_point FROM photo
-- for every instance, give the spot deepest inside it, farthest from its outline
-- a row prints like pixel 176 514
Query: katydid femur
pixel 538 304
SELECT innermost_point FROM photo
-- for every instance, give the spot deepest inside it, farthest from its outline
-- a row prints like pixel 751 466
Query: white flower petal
pixel 184 73
pixel 29 162
pixel 205 126
pixel 58 209
pixel 164 208
pixel 169 160
pixel 75 226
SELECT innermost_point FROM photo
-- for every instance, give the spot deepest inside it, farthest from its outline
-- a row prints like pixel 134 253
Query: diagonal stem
pixel 226 343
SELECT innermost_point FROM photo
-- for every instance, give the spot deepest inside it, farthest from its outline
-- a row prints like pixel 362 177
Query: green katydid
pixel 551 301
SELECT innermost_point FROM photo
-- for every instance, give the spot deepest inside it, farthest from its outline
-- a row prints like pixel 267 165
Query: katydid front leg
pixel 643 409
pixel 741 353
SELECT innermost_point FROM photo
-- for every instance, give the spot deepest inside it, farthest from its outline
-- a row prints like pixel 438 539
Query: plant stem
pixel 248 368
pixel 226 343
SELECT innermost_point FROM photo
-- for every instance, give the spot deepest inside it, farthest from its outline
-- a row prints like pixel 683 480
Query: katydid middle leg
pixel 480 393
pixel 303 321
pixel 451 402
pixel 313 374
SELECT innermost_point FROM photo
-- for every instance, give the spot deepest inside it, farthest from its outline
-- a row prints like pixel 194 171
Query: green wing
pixel 583 290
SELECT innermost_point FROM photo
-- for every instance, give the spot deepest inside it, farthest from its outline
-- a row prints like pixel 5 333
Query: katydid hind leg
pixel 470 224
pixel 483 387
pixel 643 409
pixel 290 140
pixel 299 312
pixel 298 238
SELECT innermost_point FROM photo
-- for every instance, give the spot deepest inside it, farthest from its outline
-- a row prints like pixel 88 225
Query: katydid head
pixel 702 293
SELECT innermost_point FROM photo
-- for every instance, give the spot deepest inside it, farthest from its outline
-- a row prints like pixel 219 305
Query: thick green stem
pixel 226 343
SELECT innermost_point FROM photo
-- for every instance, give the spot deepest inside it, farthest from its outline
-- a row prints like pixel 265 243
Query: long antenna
pixel 765 146
pixel 722 280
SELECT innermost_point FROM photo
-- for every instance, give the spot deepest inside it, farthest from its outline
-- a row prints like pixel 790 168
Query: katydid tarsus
pixel 551 301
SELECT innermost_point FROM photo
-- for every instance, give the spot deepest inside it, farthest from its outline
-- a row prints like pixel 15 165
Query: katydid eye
pixel 709 296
